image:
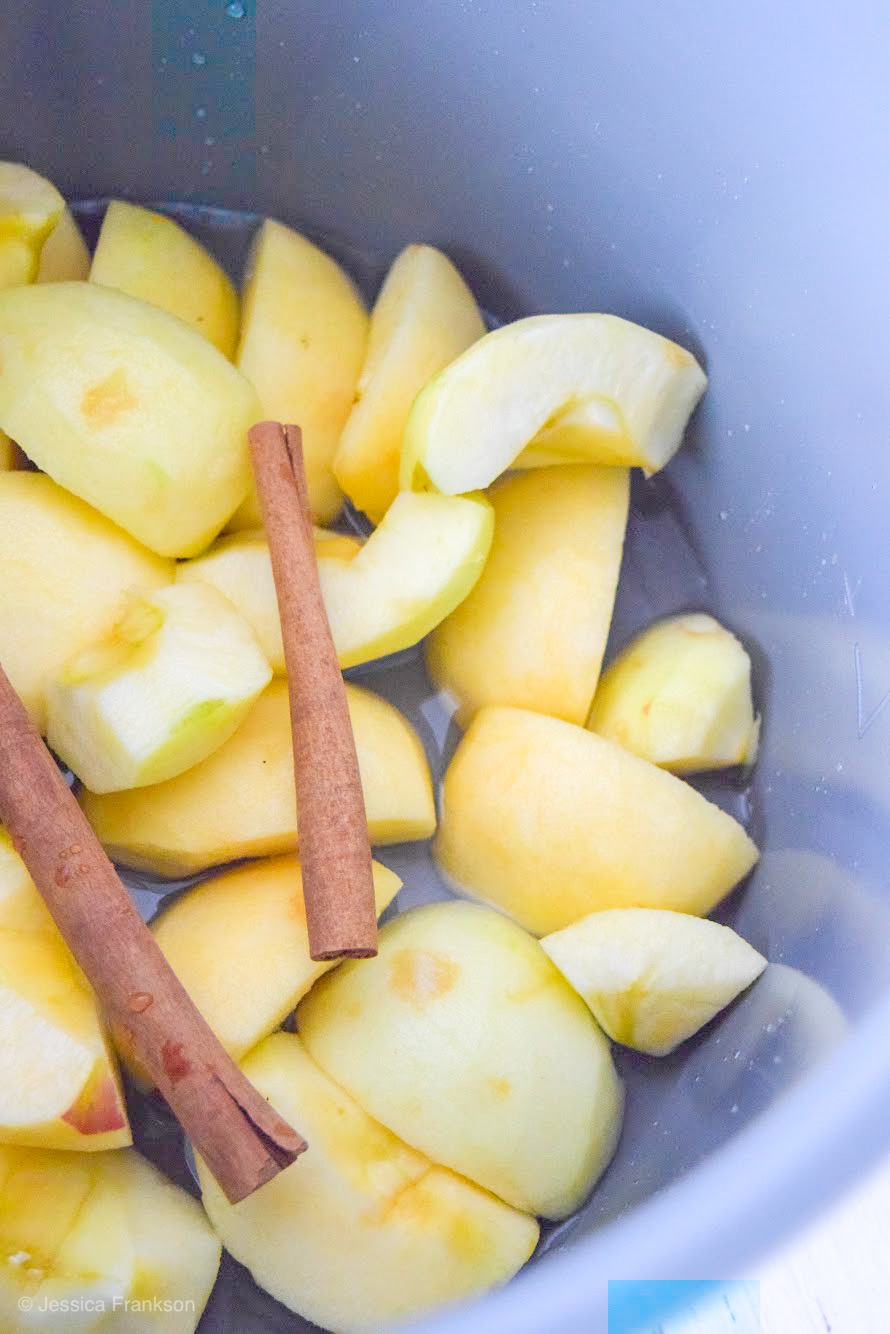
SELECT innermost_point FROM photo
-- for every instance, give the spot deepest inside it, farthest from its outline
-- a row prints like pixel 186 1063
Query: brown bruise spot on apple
pixel 103 403
pixel 421 976
pixel 176 1065
pixel 98 1108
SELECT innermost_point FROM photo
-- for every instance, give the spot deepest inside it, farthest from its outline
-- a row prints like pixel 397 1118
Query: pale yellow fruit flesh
pixel 653 978
pixel 304 330
pixel 151 257
pixel 533 630
pixel 550 822
pixel 680 695
pixel 7 453
pixel 21 907
pixel 170 683
pixel 64 569
pixel 240 802
pixel 635 389
pixel 64 257
pixel 239 945
pixel 128 408
pixel 424 317
pixel 239 566
pixel 361 1232
pixel 30 208
pixel 414 569
pixel 462 1038
pixel 89 1235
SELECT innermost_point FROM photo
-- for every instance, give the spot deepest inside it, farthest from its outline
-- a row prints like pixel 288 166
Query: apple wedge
pixel 413 570
pixel 424 317
pixel 21 906
pixel 238 944
pixel 680 695
pixel 363 1232
pixel 170 683
pixel 462 1038
pixel 151 257
pixel 63 573
pixel 128 408
pixel 238 565
pixel 653 978
pixel 30 208
pixel 550 822
pixel 533 630
pixel 627 391
pixel 99 1243
pixel 304 329
pixel 240 802
pixel 64 257
pixel 8 458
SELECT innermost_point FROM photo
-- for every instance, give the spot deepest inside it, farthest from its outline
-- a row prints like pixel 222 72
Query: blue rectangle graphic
pixel 650 1306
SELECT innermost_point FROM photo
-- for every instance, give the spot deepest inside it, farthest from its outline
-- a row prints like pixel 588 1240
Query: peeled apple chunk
pixel 304 329
pixel 7 453
pixel 106 1238
pixel 627 394
pixel 169 684
pixel 462 1038
pixel 680 695
pixel 424 316
pixel 64 569
pixel 414 569
pixel 652 978
pixel 363 1232
pixel 240 802
pixel 550 822
pixel 59 1085
pixel 64 257
pixel 238 943
pixel 128 408
pixel 153 258
pixel 533 630
pixel 30 209
pixel 238 565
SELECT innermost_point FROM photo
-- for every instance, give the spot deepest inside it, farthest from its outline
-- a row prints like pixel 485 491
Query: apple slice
pixel 153 258
pixel 63 572
pixel 21 907
pixel 105 1239
pixel 58 1080
pixel 128 408
pixel 171 682
pixel 30 208
pixel 64 257
pixel 424 316
pixel 680 695
pixel 549 822
pixel 364 1232
pixel 239 566
pixel 533 630
pixel 304 329
pixel 413 570
pixel 652 978
pixel 238 943
pixel 635 391
pixel 240 802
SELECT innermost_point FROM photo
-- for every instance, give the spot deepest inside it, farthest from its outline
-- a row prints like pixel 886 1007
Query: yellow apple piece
pixel 550 822
pixel 363 1232
pixel 424 317
pixel 128 408
pixel 240 802
pixel 238 565
pixel 304 329
pixel 462 1038
pixel 636 391
pixel 151 257
pixel 8 459
pixel 238 943
pixel 64 569
pixel 533 630
pixel 88 1235
pixel 64 257
pixel 21 906
pixel 30 208
pixel 167 686
pixel 680 695
pixel 414 569
pixel 653 977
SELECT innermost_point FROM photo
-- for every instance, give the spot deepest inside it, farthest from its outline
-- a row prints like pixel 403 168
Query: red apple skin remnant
pixel 176 1066
pixel 97 1110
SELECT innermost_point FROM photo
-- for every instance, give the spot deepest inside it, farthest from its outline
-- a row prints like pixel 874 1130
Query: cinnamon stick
pixel 335 855
pixel 242 1140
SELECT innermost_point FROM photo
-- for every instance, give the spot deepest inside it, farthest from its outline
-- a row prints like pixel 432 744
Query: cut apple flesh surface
pixel 624 393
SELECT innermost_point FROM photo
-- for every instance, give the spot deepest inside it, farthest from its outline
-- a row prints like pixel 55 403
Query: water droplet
pixel 205 167
pixel 140 1001
pixel 198 59
pixel 235 10
pixel 210 141
pixel 201 113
